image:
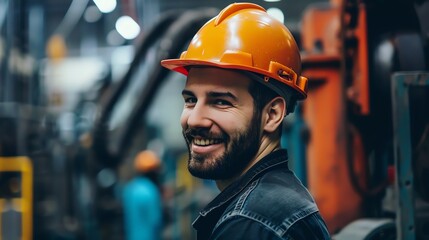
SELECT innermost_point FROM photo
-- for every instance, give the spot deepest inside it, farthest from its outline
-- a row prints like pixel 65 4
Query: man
pixel 142 199
pixel 243 78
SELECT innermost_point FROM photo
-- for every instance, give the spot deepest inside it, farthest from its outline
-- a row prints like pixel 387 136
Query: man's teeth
pixel 205 142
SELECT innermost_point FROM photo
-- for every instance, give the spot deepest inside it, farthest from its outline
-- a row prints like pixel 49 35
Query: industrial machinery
pixel 361 58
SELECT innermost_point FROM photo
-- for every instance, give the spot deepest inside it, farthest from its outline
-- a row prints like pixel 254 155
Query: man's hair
pixel 262 95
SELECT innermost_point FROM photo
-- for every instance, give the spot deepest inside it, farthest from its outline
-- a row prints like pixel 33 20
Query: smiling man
pixel 243 77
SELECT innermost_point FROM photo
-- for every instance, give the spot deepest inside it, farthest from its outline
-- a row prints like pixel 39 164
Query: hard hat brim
pixel 182 66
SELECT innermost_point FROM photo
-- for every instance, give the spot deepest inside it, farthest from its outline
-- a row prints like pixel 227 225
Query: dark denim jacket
pixel 268 202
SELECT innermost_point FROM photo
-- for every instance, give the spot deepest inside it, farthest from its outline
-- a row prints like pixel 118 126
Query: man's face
pixel 218 123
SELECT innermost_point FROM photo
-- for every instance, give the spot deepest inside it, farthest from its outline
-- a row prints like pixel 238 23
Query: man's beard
pixel 240 149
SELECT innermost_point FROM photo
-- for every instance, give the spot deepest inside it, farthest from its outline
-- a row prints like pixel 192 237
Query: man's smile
pixel 205 145
pixel 205 141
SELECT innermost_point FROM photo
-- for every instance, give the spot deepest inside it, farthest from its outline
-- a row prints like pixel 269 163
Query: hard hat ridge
pixel 226 12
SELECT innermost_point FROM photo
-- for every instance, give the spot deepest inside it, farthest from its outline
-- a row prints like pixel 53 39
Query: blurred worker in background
pixel 143 200
pixel 243 77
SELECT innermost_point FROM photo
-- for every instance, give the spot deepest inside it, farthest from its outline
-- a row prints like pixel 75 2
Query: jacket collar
pixel 272 160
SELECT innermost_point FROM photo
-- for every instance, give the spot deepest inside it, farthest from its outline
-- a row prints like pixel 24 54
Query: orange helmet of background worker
pixel 147 161
pixel 244 36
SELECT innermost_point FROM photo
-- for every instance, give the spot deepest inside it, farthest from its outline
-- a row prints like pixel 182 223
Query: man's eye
pixel 222 102
pixel 190 100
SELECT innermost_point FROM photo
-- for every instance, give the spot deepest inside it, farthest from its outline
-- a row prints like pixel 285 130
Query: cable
pixel 4 6
pixel 72 16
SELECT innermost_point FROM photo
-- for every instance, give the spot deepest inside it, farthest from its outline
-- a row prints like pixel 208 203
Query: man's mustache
pixel 191 133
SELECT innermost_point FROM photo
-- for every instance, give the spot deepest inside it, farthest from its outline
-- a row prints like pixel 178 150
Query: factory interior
pixel 82 93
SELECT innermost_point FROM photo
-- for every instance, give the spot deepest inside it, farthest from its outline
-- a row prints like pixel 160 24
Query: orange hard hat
pixel 147 161
pixel 244 36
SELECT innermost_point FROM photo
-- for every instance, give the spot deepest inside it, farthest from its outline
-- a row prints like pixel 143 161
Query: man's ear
pixel 274 112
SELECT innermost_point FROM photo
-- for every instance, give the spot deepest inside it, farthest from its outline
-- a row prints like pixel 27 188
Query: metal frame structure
pixel 24 203
pixel 401 84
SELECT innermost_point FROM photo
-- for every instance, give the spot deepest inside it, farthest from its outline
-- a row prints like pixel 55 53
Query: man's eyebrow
pixel 222 94
pixel 212 94
pixel 187 92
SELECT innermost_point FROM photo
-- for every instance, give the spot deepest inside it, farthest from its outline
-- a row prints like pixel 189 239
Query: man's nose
pixel 199 116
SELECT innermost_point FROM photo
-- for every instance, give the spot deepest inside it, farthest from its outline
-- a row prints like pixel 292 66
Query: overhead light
pixel 276 13
pixel 272 0
pixel 105 6
pixel 127 27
